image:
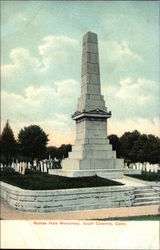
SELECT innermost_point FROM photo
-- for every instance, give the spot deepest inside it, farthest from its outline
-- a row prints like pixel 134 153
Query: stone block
pixel 91 68
pixel 98 141
pixel 90 47
pixel 92 89
pixel 27 198
pixel 95 133
pixel 92 146
pixel 71 163
pixel 90 58
pixel 91 79
pixel 90 37
pixel 45 199
pixel 93 58
pixel 119 163
pixel 98 155
pixel 102 164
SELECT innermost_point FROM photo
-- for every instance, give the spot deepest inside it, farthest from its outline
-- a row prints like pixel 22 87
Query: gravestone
pixel 29 165
pixel 23 168
pixel 152 168
pixel 45 167
pixel 148 167
pixel 143 167
pixel 156 168
pixel 41 166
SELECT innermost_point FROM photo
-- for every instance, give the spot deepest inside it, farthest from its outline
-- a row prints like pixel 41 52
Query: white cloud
pixel 40 102
pixel 57 58
pixel 48 107
pixel 125 82
pixel 21 59
pixel 56 49
pixel 133 98
pixel 21 71
pixel 118 51
pixel 137 92
pixel 143 125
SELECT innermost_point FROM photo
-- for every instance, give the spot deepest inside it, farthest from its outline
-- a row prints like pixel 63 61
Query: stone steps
pixel 138 204
pixel 145 196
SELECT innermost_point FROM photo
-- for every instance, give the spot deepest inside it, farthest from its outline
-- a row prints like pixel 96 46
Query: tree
pixel 32 142
pixel 63 150
pixel 139 150
pixel 7 144
pixel 52 151
pixel 138 147
pixel 128 140
pixel 60 152
pixel 153 149
pixel 114 140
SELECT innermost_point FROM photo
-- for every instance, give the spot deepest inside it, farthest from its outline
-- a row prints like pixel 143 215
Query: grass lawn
pixel 138 218
pixel 147 176
pixel 44 181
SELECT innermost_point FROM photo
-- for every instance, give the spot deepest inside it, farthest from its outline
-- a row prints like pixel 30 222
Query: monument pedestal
pixel 109 174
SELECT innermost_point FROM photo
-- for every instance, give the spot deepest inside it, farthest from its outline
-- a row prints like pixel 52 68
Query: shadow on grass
pixel 146 176
pixel 44 181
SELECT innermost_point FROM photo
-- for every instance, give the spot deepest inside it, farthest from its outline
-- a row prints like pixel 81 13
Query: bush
pixel 7 171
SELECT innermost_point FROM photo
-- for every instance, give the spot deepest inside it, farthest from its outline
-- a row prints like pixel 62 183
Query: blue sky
pixel 41 63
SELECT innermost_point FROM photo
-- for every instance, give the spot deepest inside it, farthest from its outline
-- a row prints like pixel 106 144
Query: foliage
pixel 32 142
pixel 7 144
pixel 147 176
pixel 136 147
pixel 8 171
pixel 116 145
pixel 127 141
pixel 59 153
pixel 43 181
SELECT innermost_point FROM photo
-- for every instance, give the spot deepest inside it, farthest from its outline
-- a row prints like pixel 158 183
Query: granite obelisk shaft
pixel 91 97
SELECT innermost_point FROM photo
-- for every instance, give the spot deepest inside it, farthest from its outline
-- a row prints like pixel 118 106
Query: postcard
pixel 80 141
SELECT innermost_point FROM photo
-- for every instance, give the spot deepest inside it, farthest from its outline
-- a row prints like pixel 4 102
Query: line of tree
pixel 32 144
pixel 136 147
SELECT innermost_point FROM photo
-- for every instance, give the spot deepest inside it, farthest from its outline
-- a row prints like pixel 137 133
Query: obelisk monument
pixel 92 154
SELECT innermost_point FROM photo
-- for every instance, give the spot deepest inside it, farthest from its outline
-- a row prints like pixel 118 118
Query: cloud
pixel 56 59
pixel 143 125
pixel 119 51
pixel 133 98
pixel 140 92
pixel 21 59
pixel 56 49
pixel 21 71
pixel 40 103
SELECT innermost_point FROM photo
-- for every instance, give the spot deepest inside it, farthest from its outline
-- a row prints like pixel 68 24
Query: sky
pixel 41 50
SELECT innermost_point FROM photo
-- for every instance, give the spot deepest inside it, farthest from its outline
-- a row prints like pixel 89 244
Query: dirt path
pixel 8 213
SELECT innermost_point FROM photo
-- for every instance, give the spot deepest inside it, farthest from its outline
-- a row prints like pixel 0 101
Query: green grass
pixel 44 181
pixel 137 218
pixel 147 176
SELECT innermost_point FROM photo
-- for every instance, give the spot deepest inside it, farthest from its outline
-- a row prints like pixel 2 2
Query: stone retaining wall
pixel 156 186
pixel 66 199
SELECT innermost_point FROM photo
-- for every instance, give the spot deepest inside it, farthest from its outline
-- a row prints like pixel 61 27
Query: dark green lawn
pixel 43 181
pixel 147 176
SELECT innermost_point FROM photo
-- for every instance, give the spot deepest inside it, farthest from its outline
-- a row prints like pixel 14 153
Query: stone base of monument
pixel 108 174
